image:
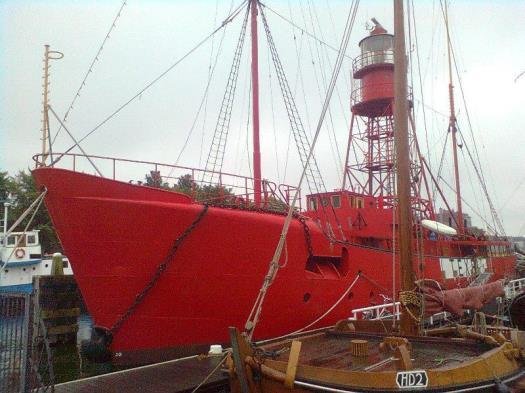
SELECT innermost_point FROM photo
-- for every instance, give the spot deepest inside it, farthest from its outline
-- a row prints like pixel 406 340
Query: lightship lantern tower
pixel 373 72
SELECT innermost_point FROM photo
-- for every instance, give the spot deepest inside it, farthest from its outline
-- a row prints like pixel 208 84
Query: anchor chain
pixel 104 336
pixel 307 236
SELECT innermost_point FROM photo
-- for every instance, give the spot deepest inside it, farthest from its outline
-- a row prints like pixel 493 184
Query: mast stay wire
pixel 331 136
pixel 90 69
pixel 330 125
pixel 205 115
pixel 298 78
pixel 303 30
pixel 313 176
pixel 215 158
pixel 480 216
pixel 494 214
pixel 229 19
pixel 273 118
pixel 204 99
pixel 414 24
pixel 274 266
pixel 477 165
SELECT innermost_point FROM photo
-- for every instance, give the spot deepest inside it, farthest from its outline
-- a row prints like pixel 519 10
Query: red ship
pixel 165 273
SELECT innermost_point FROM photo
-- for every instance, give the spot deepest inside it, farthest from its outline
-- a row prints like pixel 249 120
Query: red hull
pixel 115 235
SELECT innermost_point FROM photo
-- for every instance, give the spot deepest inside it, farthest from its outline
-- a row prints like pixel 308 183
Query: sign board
pixel 412 379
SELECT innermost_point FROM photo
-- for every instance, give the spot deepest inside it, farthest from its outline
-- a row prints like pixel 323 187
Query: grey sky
pixel 152 35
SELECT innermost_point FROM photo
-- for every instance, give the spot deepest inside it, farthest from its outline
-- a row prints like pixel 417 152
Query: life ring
pixel 20 253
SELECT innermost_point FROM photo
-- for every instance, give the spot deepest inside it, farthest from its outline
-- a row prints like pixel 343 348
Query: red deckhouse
pixel 166 273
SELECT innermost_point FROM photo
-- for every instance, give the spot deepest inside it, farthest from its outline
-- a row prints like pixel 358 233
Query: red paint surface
pixel 115 234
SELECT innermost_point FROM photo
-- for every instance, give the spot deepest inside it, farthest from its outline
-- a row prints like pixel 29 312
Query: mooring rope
pixel 37 202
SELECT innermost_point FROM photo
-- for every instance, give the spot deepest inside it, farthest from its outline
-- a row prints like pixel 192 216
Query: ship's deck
pixel 332 350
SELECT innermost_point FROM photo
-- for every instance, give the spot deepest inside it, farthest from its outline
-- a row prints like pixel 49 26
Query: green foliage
pixel 23 192
pixel 187 186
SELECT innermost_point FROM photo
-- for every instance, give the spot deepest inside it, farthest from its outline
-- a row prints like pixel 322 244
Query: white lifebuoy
pixel 20 253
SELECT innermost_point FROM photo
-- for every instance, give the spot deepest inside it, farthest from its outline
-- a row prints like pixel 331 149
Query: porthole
pixel 306 297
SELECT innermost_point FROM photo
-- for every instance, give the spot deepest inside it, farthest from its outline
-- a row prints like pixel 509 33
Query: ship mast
pixel 46 137
pixel 453 129
pixel 408 325
pixel 45 112
pixel 255 109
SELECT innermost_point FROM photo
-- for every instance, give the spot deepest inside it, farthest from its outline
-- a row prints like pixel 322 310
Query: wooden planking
pixel 181 375
pixel 71 312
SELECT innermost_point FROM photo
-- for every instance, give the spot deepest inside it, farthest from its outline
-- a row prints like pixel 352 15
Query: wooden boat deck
pixel 333 351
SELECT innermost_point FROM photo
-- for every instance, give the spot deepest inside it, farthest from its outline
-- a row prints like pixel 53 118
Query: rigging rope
pixel 274 266
pixel 90 69
pixel 303 30
pixel 313 175
pixel 477 165
pixel 229 19
pixel 420 80
pixel 37 202
pixel 217 149
pixel 204 100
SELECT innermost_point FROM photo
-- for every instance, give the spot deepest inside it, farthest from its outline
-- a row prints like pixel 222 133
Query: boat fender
pixel 96 349
pixel 20 253
pixel 500 387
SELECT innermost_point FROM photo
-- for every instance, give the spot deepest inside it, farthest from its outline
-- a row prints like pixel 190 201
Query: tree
pixel 186 185
pixel 23 192
pixel 4 181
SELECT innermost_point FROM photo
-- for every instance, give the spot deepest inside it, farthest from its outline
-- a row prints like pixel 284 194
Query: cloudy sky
pixel 165 124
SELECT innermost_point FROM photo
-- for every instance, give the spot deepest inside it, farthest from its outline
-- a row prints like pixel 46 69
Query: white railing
pixel 381 311
pixel 514 287
pixel 384 311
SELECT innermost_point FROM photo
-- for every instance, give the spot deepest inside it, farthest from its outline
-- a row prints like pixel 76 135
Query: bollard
pixel 57 266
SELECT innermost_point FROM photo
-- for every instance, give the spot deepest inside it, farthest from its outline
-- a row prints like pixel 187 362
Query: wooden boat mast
pixel 255 109
pixel 408 324
pixel 453 129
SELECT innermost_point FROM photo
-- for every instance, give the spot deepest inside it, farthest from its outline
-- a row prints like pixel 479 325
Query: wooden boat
pixel 375 356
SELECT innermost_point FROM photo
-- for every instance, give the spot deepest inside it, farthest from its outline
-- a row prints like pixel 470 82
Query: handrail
pixel 243 185
pixel 514 287
pixel 373 58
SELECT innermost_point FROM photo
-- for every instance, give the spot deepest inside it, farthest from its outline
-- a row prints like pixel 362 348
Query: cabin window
pixel 336 201
pixel 324 201
pixel 11 240
pixel 360 203
pixel 65 265
pixel 313 203
pixel 351 200
pixel 31 239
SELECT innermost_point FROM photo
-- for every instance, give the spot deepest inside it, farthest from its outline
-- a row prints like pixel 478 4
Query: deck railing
pixel 387 310
pixel 231 188
pixel 514 287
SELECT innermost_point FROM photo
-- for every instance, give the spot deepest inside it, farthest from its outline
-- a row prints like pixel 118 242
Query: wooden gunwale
pixel 485 368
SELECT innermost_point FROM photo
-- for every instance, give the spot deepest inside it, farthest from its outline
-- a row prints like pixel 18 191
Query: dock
pixel 174 376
